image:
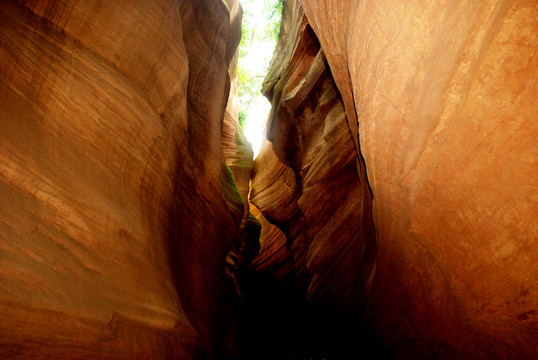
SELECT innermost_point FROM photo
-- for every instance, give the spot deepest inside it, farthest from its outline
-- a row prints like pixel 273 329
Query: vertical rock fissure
pixel 317 254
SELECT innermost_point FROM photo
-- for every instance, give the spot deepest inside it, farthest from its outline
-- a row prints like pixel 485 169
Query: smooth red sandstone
pixel 444 98
pixel 117 210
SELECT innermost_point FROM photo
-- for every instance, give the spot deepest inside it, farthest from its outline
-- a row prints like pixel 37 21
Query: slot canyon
pixel 392 212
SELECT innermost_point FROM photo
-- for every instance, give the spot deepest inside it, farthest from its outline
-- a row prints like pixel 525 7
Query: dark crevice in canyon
pixel 303 181
pixel 135 223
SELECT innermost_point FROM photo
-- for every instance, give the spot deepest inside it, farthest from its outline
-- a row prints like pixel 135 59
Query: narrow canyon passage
pixel 390 214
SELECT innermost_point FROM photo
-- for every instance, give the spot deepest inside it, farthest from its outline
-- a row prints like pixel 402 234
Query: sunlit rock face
pixel 117 209
pixel 440 99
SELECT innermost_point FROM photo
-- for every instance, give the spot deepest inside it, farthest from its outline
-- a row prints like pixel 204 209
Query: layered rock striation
pixel 396 192
pixel 435 102
pixel 309 182
pixel 117 206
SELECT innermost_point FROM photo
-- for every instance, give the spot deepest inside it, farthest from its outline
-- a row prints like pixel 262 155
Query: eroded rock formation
pixel 396 192
pixel 436 103
pixel 117 207
pixel 306 182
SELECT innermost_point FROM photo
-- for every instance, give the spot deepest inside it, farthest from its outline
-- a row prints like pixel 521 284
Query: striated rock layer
pixel 306 181
pixel 117 208
pixel 440 99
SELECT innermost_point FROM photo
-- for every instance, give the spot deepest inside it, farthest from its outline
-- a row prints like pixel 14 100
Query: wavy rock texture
pixel 117 207
pixel 239 157
pixel 443 95
pixel 306 182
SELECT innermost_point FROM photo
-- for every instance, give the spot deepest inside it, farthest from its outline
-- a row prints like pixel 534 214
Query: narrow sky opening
pixel 260 27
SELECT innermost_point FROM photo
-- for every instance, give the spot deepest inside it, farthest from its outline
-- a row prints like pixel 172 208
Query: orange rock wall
pixel 117 209
pixel 306 182
pixel 440 98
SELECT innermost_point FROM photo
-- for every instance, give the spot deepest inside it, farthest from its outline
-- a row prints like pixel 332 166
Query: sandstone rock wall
pixel 306 181
pixel 117 208
pixel 440 99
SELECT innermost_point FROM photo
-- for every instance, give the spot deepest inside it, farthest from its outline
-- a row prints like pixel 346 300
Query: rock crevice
pixel 435 101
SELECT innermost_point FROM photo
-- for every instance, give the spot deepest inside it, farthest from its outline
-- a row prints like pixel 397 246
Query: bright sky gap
pixel 261 23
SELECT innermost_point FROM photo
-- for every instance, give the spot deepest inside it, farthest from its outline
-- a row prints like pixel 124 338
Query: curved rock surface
pixel 117 207
pixel 396 193
pixel 306 181
pixel 239 157
pixel 440 99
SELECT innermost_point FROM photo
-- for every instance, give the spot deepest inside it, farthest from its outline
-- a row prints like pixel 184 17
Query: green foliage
pixel 247 31
pixel 248 84
pixel 258 41
pixel 274 11
pixel 242 120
